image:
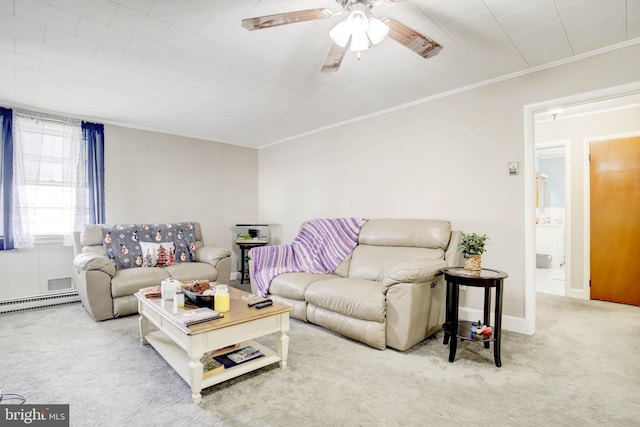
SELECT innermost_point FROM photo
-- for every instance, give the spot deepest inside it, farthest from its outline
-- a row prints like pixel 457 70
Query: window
pixel 50 178
pixel 55 185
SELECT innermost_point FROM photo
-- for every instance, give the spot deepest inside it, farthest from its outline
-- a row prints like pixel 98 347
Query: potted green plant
pixel 472 246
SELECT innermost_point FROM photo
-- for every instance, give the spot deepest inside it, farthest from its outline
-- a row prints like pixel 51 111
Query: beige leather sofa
pixel 107 292
pixel 388 292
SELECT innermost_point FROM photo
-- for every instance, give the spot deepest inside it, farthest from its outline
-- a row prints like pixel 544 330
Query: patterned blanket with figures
pixel 149 245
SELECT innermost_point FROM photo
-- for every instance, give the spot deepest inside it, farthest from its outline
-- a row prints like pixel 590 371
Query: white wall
pixel 26 272
pixel 444 159
pixel 154 177
pixel 579 131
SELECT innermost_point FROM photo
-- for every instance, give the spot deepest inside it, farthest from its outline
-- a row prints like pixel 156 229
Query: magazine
pixel 244 354
pixel 229 360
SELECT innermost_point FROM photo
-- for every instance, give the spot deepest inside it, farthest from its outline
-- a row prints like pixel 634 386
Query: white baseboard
pixel 235 275
pixel 584 294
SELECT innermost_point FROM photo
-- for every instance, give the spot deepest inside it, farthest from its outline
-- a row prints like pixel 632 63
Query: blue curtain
pixel 6 177
pixel 93 134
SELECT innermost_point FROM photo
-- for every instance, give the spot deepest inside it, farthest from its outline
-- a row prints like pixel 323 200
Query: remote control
pixel 251 304
pixel 264 304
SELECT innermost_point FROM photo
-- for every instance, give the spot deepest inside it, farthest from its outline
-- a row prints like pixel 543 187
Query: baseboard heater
pixel 39 301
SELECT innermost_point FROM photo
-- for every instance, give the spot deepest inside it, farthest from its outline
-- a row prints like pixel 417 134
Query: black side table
pixel 455 329
pixel 243 259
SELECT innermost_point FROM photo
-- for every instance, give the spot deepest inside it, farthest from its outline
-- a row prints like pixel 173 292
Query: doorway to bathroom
pixel 552 171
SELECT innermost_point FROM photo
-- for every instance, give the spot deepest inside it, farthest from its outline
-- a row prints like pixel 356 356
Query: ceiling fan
pixel 356 33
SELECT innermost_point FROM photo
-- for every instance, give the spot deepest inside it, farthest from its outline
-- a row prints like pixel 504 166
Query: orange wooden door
pixel 615 220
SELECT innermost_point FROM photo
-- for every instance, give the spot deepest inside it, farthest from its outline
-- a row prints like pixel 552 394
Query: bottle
pixel 221 299
pixel 179 299
pixel 178 302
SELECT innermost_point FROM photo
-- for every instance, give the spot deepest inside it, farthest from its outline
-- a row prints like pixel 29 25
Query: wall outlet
pixel 513 168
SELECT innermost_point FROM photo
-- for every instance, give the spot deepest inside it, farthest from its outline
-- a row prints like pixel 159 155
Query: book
pixel 210 366
pixel 198 315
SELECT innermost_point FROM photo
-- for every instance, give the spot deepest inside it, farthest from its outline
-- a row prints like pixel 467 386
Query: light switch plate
pixel 513 168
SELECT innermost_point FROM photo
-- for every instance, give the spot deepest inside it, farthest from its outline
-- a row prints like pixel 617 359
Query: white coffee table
pixel 183 347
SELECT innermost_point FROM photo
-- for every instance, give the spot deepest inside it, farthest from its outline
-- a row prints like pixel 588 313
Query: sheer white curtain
pixel 50 178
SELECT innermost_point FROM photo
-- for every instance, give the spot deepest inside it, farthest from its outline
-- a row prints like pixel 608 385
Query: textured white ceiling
pixel 189 68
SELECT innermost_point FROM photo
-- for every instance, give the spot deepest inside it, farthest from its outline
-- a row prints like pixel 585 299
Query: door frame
pixel 586 232
pixel 566 145
pixel 529 171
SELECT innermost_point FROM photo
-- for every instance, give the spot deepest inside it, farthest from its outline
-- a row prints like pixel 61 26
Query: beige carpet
pixel 581 368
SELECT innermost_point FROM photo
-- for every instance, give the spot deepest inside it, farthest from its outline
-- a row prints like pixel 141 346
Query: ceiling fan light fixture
pixel 341 33
pixel 358 20
pixel 377 30
pixel 360 29
pixel 359 41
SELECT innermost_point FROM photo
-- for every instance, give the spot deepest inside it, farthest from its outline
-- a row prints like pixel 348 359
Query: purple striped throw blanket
pixel 320 247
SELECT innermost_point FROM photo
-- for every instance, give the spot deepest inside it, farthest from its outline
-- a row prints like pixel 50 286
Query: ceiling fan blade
pixel 422 45
pixel 334 58
pixel 269 21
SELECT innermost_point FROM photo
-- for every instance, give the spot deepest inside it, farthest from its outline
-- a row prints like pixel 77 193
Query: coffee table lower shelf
pixel 178 359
